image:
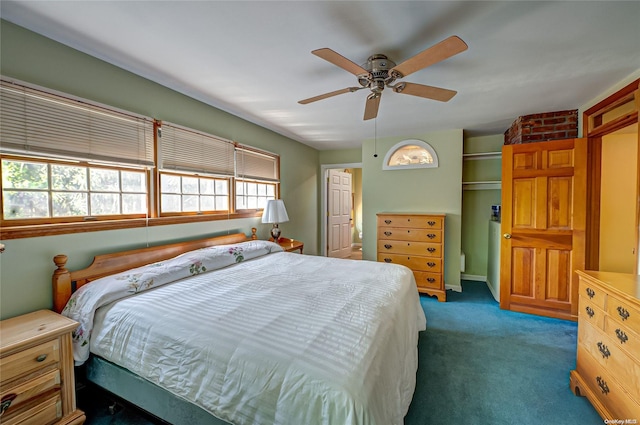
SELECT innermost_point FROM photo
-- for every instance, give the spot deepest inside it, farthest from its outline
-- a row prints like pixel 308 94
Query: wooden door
pixel 339 214
pixel 544 188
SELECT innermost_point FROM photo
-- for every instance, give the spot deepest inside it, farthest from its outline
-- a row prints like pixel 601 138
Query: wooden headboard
pixel 65 282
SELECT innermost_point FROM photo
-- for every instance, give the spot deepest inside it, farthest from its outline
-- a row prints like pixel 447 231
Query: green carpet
pixel 479 365
pixel 482 365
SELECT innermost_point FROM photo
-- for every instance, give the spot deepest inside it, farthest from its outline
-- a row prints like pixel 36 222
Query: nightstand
pixel 290 245
pixel 36 370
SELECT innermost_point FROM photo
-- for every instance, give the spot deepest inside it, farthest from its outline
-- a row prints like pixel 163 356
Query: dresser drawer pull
pixel 431 264
pixel 388 221
pixel 6 402
pixel 388 246
pixel 431 249
pixel 623 312
pixel 430 280
pixel 622 336
pixel 603 385
pixel 431 235
pixel 41 358
pixel 590 311
pixel 604 350
pixel 431 223
pixel 590 292
pixel 387 233
pixel 387 260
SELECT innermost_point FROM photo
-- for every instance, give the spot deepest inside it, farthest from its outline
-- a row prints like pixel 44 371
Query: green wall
pixel 26 265
pixel 476 204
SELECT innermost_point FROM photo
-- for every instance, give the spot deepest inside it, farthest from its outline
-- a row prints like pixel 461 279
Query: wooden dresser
pixel 416 241
pixel 608 363
pixel 37 384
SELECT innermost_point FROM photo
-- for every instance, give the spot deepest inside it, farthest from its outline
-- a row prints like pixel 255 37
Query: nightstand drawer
pixel 43 411
pixel 29 360
pixel 25 391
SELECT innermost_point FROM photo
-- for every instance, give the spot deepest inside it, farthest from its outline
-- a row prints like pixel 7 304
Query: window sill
pixel 33 231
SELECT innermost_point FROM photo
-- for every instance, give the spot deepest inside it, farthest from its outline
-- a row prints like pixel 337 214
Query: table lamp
pixel 275 213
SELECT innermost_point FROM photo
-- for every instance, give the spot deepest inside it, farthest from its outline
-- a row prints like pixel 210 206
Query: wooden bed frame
pixel 65 282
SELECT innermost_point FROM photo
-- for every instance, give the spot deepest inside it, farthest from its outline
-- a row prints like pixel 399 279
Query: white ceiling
pixel 252 58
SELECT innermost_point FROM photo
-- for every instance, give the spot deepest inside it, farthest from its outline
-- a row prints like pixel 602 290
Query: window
pixel 251 195
pixel 182 193
pixel 410 154
pixel 33 189
pixel 69 160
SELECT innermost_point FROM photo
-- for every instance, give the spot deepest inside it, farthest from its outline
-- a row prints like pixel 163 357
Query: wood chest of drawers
pixel 36 370
pixel 608 358
pixel 416 241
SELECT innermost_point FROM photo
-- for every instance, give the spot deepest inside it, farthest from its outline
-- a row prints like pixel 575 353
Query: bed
pixel 234 330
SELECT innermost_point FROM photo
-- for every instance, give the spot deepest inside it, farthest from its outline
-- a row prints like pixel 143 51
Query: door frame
pixel 324 172
pixel 593 129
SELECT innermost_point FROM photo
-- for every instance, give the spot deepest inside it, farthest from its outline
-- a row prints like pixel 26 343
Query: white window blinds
pixel 186 150
pixel 253 164
pixel 36 122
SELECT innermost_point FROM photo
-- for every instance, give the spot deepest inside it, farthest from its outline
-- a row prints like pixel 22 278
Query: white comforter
pixel 280 339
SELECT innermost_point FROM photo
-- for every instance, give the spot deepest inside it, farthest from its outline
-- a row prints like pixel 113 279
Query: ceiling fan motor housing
pixel 378 66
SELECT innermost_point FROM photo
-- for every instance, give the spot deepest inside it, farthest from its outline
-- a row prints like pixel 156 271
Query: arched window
pixel 411 153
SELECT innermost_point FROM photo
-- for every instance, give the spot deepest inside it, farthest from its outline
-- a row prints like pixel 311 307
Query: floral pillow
pixel 86 300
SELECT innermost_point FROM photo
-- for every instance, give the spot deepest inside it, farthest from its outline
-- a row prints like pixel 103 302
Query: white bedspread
pixel 280 339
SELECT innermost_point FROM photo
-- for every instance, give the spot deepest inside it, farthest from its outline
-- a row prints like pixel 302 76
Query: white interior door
pixel 339 214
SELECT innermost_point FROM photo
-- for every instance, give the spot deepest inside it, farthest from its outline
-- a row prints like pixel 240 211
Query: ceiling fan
pixel 380 71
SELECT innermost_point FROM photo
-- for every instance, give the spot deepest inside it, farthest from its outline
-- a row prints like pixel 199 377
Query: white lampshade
pixel 275 212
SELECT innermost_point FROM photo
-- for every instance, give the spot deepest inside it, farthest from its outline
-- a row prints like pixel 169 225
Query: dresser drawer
pixel 29 360
pixel 623 312
pixel 593 293
pixel 43 411
pixel 26 391
pixel 626 339
pixel 405 234
pixel 591 313
pixel 620 367
pixel 605 388
pixel 410 247
pixel 415 221
pixel 428 280
pixel 414 262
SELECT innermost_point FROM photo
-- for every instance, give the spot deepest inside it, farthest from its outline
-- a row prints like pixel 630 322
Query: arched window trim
pixel 426 146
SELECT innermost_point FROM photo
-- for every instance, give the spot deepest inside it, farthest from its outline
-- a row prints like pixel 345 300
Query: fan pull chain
pixel 375 137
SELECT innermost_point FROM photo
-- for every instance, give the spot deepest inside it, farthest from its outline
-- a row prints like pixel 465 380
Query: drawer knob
pixel 590 311
pixel 41 358
pixel 388 246
pixel 431 223
pixel 431 235
pixel 388 221
pixel 590 292
pixel 623 312
pixel 603 385
pixel 431 249
pixel 6 402
pixel 387 233
pixel 387 260
pixel 622 336
pixel 431 264
pixel 430 280
pixel 604 350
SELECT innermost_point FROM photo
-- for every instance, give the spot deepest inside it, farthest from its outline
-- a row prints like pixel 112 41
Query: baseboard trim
pixel 477 277
pixel 493 291
pixel 456 288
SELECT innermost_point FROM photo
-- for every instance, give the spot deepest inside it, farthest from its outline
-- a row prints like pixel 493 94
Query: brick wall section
pixel 541 127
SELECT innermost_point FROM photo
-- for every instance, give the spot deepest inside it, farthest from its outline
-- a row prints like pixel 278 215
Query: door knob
pixel 507 235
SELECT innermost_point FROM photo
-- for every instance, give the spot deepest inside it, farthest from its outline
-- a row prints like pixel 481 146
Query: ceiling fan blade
pixel 339 60
pixel 434 54
pixel 420 90
pixel 372 105
pixel 330 94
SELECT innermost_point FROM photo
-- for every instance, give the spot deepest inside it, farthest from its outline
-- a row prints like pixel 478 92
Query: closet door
pixel 543 225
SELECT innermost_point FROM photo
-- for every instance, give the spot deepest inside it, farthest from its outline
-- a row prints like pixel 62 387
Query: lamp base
pixel 275 232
